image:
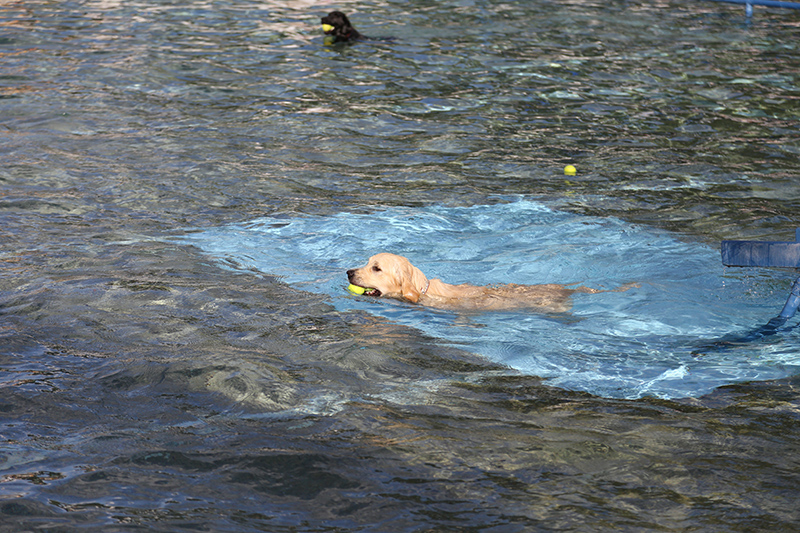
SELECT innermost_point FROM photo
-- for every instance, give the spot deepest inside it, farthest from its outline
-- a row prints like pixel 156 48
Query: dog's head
pixel 390 275
pixel 335 24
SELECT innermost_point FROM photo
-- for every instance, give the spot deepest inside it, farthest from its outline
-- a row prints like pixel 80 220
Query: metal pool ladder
pixel 767 254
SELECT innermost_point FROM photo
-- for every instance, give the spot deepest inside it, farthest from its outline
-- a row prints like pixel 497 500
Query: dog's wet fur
pixel 394 276
pixel 342 30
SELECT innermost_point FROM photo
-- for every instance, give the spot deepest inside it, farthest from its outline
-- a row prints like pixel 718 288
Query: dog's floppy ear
pixel 413 280
pixel 410 292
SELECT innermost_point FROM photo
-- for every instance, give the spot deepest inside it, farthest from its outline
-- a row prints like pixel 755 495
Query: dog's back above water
pixel 394 276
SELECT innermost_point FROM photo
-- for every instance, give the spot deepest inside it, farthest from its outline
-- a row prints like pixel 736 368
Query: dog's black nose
pixel 350 274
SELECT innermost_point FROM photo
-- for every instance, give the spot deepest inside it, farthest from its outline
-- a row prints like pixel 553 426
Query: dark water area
pixel 162 369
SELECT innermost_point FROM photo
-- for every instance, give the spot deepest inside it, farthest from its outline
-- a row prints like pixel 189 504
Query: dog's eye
pixel 376 268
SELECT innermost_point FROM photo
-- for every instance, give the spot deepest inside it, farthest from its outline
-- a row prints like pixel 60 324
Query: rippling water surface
pixel 184 184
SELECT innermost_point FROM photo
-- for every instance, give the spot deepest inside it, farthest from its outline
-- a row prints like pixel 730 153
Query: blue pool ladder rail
pixel 762 254
pixel 767 254
pixel 759 254
pixel 748 4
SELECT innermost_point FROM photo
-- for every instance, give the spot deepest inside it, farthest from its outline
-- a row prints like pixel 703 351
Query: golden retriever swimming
pixel 395 277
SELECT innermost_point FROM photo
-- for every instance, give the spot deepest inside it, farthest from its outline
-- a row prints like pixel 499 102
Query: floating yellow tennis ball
pixel 570 170
pixel 355 289
pixel 327 27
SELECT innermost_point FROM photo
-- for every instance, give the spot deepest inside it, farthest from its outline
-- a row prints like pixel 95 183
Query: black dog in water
pixel 338 29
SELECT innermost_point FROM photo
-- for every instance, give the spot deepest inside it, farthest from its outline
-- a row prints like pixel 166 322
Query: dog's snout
pixel 351 273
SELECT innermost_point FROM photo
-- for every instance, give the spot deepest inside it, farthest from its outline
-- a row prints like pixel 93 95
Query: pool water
pixel 617 344
pixel 184 185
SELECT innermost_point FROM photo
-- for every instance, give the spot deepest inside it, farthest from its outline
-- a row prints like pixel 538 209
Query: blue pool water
pixel 641 342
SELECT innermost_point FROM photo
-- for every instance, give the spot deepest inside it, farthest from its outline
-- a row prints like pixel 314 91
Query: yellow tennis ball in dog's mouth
pixel 570 170
pixel 327 28
pixel 355 289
